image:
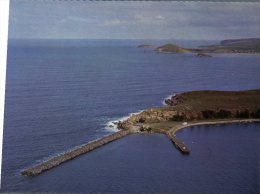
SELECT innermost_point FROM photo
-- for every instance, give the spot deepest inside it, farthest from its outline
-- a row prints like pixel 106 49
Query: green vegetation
pixel 171 48
pixel 217 100
pixel 198 106
pixel 251 45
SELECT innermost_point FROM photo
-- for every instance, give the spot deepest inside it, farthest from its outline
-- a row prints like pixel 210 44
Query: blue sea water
pixel 62 93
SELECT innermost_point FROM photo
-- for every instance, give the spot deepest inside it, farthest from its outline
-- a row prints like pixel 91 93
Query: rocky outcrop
pixel 125 125
pixel 145 46
pixel 175 100
pixel 202 105
pixel 202 55
pixel 157 116
pixel 188 106
pixel 152 116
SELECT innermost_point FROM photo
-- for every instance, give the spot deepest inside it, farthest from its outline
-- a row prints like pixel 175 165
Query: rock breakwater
pixel 74 153
pixel 184 110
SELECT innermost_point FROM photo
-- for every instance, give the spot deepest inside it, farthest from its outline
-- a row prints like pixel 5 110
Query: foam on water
pixel 54 155
pixel 54 106
pixel 168 98
pixel 112 125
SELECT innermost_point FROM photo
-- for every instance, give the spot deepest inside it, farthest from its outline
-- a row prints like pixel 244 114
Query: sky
pixel 53 19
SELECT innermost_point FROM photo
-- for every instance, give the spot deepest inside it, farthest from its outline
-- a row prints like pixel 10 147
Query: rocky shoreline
pixel 202 105
pixel 184 110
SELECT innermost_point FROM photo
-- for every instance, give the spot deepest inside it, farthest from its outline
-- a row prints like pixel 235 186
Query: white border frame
pixel 4 14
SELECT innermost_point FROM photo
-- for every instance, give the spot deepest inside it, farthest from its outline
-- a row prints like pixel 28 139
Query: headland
pixel 195 108
pixel 183 110
pixel 249 46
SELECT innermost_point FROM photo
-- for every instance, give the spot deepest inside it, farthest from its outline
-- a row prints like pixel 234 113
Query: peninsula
pixel 199 106
pixel 250 45
pixel 183 110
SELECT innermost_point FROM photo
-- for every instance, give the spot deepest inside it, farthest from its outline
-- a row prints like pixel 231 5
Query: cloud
pixel 114 22
pixel 159 17
pixel 149 19
pixel 77 19
pixel 166 20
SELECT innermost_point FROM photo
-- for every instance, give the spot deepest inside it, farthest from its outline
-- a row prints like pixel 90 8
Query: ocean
pixel 61 94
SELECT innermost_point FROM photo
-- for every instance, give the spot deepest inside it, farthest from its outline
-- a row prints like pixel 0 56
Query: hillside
pixel 171 48
pixel 201 105
pixel 251 45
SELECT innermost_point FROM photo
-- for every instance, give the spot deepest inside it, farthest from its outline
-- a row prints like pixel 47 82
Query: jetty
pixel 188 109
pixel 176 128
pixel 36 170
pixel 58 160
pixel 178 143
pixel 181 146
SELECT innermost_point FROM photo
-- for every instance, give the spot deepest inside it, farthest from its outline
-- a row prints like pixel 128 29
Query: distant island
pixel 250 45
pixel 145 46
pixel 183 110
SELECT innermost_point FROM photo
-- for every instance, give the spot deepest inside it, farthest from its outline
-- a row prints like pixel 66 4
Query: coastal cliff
pixel 197 108
pixel 200 105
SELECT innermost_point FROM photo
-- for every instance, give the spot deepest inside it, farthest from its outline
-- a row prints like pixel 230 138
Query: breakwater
pixel 127 129
pixel 36 170
pixel 176 128
pixel 179 144
pixel 182 147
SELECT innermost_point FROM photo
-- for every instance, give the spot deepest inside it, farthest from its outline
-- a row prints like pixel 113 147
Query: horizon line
pixel 24 38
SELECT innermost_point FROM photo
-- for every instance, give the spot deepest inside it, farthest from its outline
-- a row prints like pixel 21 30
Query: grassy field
pixel 199 106
pixel 204 100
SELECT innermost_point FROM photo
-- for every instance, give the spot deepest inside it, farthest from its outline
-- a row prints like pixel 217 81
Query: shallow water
pixel 61 94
